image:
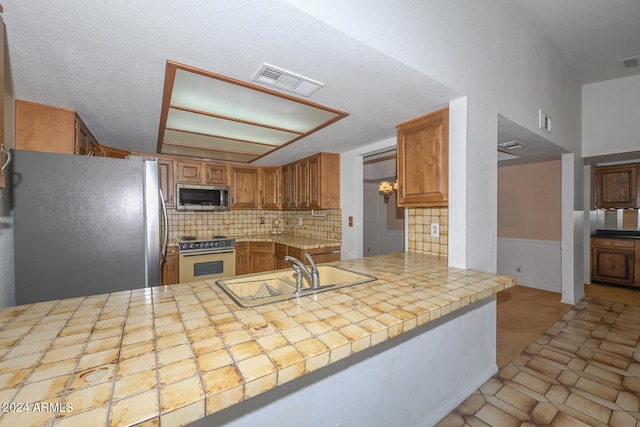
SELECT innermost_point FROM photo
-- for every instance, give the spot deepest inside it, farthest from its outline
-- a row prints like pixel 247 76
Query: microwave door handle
pixel 166 228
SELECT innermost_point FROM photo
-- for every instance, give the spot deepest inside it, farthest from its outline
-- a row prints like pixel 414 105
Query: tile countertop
pixel 300 242
pixel 174 354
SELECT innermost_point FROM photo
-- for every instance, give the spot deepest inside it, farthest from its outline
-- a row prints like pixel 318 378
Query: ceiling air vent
pixel 286 80
pixel 632 61
pixel 511 145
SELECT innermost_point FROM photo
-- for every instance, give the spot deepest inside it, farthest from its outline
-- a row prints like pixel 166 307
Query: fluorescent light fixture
pixel 213 116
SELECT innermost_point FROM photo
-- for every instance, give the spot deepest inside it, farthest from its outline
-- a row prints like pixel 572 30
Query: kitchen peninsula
pixel 422 332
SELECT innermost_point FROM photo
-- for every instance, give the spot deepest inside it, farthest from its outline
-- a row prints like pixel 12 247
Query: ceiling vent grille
pixel 511 145
pixel 286 80
pixel 630 62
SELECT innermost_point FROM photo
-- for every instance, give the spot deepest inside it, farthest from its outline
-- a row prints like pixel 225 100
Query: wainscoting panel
pixel 539 262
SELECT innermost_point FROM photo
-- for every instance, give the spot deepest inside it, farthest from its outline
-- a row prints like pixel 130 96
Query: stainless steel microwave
pixel 202 197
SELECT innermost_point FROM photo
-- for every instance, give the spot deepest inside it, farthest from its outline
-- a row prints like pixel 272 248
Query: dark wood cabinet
pixel 319 255
pixel 280 251
pixel 423 160
pixel 615 261
pixel 170 273
pixel 617 186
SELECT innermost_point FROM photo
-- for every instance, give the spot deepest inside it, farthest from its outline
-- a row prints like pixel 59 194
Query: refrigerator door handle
pixel 166 228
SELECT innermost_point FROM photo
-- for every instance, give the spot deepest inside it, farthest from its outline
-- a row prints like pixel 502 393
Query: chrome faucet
pixel 311 272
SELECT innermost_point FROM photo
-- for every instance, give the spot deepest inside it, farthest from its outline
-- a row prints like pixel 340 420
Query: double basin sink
pixel 274 286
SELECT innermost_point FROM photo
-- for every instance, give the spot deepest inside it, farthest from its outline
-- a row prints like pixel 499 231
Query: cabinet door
pixel 423 160
pixel 167 182
pixel 242 259
pixel 189 172
pixel 289 199
pixel 215 174
pixel 170 272
pixel 261 261
pixel 314 184
pixel 113 152
pixel 302 180
pixel 270 188
pixel 617 186
pixel 244 188
pixel 45 128
pixel 612 265
pixel 280 251
pixel 83 145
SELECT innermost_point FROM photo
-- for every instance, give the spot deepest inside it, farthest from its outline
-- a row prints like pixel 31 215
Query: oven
pixel 202 259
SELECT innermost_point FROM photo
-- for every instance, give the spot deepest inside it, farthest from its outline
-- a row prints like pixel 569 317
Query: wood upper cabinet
pixel 270 188
pixel 166 181
pixel 423 160
pixel 116 153
pixel 615 261
pixel 289 189
pixel 617 186
pixel 312 183
pixel 195 172
pixel 51 129
pixel 244 187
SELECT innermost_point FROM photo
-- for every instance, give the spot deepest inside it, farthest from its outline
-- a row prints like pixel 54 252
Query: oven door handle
pixel 207 253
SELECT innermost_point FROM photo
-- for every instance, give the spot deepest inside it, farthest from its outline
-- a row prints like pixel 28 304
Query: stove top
pixel 188 244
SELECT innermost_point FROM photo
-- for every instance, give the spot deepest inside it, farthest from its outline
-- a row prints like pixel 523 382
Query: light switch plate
pixel 435 229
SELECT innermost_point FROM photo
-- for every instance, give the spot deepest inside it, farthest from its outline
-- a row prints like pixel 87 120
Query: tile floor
pixel 583 371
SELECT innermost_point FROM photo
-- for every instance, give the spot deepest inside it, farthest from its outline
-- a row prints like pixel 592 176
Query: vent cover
pixel 286 80
pixel 511 145
pixel 630 62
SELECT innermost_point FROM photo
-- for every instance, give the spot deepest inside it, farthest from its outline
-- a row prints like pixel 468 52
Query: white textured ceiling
pixel 591 34
pixel 106 59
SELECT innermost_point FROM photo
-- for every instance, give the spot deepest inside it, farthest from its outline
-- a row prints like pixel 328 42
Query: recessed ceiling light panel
pixel 286 80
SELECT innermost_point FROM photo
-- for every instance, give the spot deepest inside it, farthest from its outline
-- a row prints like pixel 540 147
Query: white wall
pixel 402 382
pixel 611 116
pixel 489 52
pixel 535 263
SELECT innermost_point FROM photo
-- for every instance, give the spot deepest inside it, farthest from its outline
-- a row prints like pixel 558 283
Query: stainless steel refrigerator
pixel 84 225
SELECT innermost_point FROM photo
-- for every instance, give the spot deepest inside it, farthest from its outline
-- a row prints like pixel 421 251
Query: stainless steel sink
pixel 265 288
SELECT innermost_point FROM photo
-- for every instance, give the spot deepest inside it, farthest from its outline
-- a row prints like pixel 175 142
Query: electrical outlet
pixel 435 229
pixel 299 220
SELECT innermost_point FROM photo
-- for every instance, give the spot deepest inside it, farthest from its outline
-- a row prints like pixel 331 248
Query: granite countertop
pixel 300 242
pixel 175 354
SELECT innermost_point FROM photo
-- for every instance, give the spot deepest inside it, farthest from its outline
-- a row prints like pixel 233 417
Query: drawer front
pixel 613 243
pixel 261 246
pixel 281 250
pixel 241 246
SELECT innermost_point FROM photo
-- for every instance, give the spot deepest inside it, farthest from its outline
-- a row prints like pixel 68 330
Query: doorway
pixel 383 221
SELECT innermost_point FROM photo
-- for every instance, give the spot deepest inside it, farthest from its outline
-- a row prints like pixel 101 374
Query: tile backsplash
pixel 419 226
pixel 325 224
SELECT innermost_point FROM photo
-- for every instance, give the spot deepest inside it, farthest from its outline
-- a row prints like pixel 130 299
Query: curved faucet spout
pixel 311 273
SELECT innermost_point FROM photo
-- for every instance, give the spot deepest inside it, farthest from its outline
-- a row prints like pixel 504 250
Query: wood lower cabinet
pixel 423 160
pixel 170 272
pixel 617 186
pixel 615 261
pixel 319 255
pixel 243 265
pixel 280 252
pixel 261 256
